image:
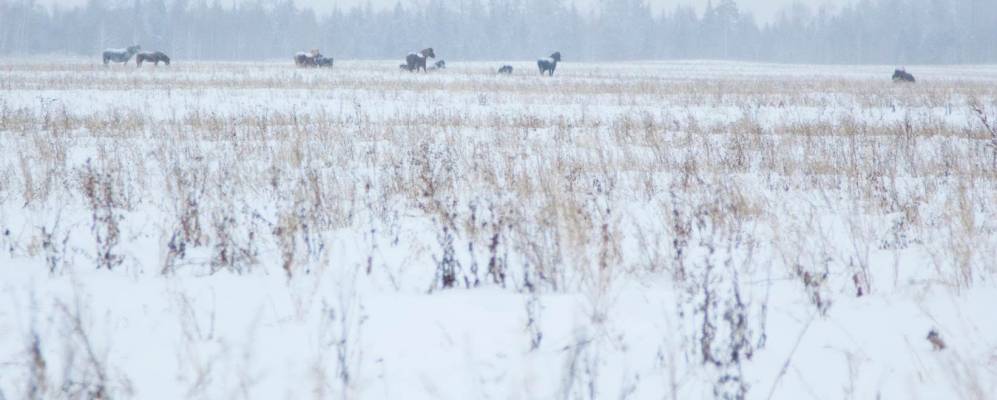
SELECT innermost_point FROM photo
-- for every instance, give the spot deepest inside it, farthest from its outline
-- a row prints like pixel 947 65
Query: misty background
pixel 897 32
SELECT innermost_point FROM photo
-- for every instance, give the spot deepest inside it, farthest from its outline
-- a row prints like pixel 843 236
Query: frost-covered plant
pixel 100 192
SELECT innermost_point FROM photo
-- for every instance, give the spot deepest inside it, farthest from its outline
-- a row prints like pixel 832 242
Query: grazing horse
pixel 901 75
pixel 120 55
pixel 154 57
pixel 505 69
pixel 312 59
pixel 415 61
pixel 439 65
pixel 549 64
pixel 303 59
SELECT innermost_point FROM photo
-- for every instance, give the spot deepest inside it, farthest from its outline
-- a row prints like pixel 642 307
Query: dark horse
pixel 549 64
pixel 415 61
pixel 439 65
pixel 900 75
pixel 506 69
pixel 312 59
pixel 120 55
pixel 154 57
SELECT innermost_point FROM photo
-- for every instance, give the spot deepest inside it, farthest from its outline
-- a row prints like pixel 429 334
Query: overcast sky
pixel 764 10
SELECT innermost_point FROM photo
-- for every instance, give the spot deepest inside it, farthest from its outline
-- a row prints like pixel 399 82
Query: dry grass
pixel 569 176
pixel 713 181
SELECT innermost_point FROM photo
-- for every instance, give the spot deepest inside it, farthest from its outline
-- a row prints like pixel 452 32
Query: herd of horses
pixel 414 61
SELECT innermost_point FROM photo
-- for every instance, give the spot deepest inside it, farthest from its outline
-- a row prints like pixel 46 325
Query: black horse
pixel 900 75
pixel 120 55
pixel 549 64
pixel 417 60
pixel 312 59
pixel 505 69
pixel 154 57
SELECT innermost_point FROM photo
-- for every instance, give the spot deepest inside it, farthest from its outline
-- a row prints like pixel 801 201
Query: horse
pixel 505 69
pixel 154 57
pixel 120 55
pixel 303 59
pixel 416 60
pixel 312 59
pixel 549 64
pixel 323 62
pixel 439 65
pixel 900 75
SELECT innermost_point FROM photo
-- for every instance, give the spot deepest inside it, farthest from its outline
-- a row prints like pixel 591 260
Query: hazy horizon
pixel 764 11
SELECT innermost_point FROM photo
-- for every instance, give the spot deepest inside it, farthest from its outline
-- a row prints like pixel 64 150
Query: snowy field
pixel 674 230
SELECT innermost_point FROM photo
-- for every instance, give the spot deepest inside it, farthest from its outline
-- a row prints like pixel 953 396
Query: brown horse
pixel 154 57
pixel 548 65
pixel 901 75
pixel 415 61
pixel 312 59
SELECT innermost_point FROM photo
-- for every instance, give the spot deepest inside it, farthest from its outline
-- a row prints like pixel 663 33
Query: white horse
pixel 120 55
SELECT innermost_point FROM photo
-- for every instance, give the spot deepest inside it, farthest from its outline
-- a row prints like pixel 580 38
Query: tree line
pixel 870 31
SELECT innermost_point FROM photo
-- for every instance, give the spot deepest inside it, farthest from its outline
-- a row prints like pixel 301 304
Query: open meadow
pixel 651 230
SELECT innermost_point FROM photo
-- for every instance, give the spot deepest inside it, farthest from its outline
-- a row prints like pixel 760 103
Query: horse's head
pixel 428 53
pixel 166 59
pixel 441 64
pixel 556 56
pixel 134 49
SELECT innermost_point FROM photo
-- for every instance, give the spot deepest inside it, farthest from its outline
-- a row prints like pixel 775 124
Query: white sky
pixel 764 10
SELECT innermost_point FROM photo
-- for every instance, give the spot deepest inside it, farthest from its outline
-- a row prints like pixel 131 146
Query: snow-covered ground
pixel 640 230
